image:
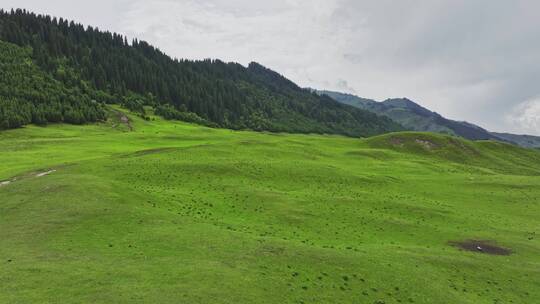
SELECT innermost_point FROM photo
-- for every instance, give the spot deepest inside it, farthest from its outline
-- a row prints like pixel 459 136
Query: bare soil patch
pixel 41 174
pixel 429 145
pixel 123 120
pixel 481 246
pixel 33 174
pixel 396 141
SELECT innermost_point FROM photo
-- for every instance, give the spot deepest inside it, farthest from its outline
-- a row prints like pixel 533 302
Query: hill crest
pixel 493 155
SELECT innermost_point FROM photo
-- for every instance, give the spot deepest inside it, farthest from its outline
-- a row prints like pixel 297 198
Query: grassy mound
pixel 491 155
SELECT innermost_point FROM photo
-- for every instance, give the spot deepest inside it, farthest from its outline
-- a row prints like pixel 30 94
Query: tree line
pixel 28 95
pixel 110 67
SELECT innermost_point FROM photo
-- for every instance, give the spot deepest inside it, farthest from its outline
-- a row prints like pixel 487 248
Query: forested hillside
pixel 28 95
pixel 103 64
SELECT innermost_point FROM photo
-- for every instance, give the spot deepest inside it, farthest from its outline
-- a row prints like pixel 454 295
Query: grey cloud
pixel 343 85
pixel 475 60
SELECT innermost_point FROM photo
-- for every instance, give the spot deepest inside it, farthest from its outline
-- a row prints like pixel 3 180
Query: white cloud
pixel 526 116
pixel 275 33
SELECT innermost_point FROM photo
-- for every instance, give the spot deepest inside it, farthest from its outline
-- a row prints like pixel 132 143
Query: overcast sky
pixel 474 60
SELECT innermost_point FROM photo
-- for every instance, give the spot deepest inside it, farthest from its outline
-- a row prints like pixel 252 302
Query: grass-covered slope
pixel 485 155
pixel 178 213
pixel 134 73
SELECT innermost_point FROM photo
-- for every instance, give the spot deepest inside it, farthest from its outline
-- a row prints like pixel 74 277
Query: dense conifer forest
pixel 28 95
pixel 63 71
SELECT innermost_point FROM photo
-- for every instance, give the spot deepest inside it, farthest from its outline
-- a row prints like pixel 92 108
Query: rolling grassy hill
pixel 171 212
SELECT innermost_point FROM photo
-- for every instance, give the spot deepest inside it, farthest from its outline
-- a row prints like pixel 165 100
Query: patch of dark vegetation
pixel 372 154
pixel 152 151
pixel 145 152
pixel 481 246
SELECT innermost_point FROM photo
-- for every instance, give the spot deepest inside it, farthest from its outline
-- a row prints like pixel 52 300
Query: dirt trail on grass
pixel 45 173
pixel 33 174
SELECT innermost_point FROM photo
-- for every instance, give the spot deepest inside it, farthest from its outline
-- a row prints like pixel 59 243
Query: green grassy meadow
pixel 178 213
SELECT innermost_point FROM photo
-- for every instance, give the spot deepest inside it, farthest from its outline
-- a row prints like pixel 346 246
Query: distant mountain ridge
pixel 414 117
pixel 527 141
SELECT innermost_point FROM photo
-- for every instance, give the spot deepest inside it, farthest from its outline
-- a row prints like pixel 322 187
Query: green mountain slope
pixel 412 116
pixel 179 213
pixel 28 95
pixel 416 118
pixel 209 91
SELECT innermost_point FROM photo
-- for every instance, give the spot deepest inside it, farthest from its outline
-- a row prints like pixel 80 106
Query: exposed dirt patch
pixel 481 246
pixel 33 174
pixel 395 141
pixel 125 120
pixel 41 174
pixel 429 145
pixel 122 120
